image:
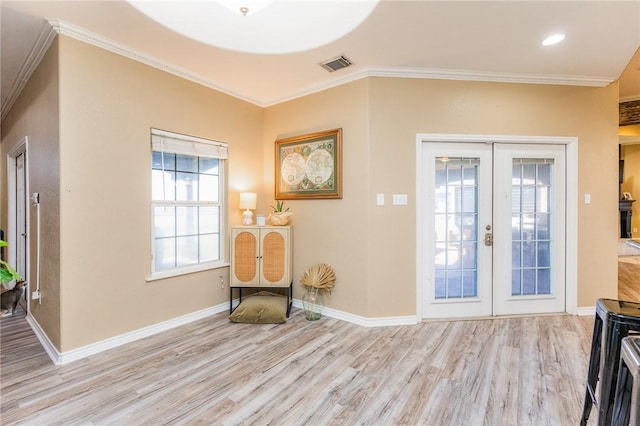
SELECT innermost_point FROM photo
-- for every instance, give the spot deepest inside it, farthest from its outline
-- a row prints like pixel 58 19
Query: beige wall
pixel 108 103
pixel 332 231
pixel 402 108
pixel 36 115
pixel 384 238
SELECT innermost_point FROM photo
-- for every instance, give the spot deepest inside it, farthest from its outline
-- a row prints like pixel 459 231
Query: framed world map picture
pixel 309 166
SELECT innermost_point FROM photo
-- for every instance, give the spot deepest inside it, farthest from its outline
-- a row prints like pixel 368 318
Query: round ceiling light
pixel 260 26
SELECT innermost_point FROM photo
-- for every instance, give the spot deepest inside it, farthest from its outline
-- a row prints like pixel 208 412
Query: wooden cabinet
pixel 261 256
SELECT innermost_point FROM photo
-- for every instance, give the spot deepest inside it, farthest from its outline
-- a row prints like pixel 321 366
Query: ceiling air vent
pixel 336 63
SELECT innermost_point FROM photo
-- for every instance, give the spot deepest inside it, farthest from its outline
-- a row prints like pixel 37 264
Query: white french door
pixel 494 229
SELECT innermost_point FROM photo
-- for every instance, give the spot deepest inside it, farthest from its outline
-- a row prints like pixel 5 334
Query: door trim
pixel 571 258
pixel 11 236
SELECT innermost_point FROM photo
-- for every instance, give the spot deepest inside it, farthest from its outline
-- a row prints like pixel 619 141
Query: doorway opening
pixel 629 243
pixel 18 214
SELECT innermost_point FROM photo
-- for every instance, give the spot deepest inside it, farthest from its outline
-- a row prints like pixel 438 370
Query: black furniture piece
pixel 614 320
pixel 625 207
pixel 627 401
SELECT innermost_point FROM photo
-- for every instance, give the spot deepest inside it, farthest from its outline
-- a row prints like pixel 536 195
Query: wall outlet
pixel 221 282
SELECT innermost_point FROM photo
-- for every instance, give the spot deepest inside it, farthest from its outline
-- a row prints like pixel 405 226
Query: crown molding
pixel 56 26
pixel 444 74
pixel 315 88
pixel 494 77
pixel 43 42
pixel 78 33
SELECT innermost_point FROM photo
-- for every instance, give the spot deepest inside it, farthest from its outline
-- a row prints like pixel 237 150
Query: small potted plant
pixel 7 272
pixel 279 216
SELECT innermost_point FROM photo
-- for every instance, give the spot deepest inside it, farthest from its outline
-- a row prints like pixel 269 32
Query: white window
pixel 187 203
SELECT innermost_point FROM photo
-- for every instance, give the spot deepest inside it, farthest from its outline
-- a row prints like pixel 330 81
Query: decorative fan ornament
pixel 320 276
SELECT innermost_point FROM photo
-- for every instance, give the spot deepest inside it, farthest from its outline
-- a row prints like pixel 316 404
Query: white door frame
pixel 571 281
pixel 11 235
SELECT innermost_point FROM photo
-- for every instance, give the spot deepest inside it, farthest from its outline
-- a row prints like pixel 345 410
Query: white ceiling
pixel 472 40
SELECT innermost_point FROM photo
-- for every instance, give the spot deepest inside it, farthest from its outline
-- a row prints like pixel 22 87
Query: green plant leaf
pixel 7 273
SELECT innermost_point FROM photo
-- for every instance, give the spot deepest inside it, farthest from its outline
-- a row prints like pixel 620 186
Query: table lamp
pixel 248 203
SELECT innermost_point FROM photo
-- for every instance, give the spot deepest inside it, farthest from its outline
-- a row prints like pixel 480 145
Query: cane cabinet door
pixel 261 256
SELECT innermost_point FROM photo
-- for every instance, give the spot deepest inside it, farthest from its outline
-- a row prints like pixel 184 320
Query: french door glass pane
pixel 531 215
pixel 456 227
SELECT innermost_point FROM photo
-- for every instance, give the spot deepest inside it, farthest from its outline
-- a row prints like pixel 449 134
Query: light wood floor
pixel 519 371
pixel 628 281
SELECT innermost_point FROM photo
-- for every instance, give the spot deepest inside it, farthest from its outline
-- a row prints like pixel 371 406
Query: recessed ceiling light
pixel 553 39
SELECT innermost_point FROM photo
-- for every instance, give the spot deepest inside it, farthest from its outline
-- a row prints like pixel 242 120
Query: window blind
pixel 176 143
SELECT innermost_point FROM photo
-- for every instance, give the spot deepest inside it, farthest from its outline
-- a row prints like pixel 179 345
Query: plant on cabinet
pixel 279 216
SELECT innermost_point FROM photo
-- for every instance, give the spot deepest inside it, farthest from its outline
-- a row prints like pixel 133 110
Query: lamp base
pixel 247 217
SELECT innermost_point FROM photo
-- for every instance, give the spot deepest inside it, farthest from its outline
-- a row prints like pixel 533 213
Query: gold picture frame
pixel 309 166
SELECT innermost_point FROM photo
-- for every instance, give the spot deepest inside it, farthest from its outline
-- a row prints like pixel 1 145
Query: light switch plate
pixel 400 199
pixel 380 199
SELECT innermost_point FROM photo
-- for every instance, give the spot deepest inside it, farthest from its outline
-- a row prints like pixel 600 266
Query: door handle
pixel 488 237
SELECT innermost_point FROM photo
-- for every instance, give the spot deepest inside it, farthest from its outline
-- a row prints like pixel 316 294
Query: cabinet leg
pixel 289 298
pixel 231 309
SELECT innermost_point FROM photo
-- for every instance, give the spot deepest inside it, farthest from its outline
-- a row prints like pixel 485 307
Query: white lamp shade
pixel 248 200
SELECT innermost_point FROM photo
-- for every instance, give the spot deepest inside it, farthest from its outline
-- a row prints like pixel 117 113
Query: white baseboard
pixel 48 347
pixel 363 321
pixel 586 311
pixel 61 358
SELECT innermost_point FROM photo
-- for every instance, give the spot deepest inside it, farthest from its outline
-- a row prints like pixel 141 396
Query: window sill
pixel 186 270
